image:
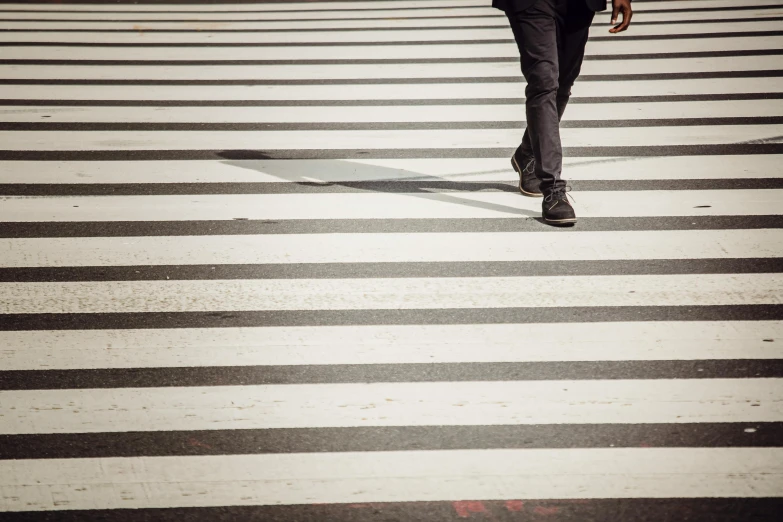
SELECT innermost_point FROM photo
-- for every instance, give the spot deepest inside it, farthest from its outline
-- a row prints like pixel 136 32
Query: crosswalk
pixel 268 261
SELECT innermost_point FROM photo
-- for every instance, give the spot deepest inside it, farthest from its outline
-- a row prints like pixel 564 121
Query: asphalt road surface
pixel 268 261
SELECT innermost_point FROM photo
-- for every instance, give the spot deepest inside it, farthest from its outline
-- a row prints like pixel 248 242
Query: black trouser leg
pixel 551 36
pixel 526 148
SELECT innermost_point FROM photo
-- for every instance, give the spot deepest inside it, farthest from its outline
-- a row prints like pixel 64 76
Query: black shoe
pixel 556 209
pixel 525 166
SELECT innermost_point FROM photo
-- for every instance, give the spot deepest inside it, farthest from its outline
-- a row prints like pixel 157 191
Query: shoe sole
pixel 569 221
pixel 516 168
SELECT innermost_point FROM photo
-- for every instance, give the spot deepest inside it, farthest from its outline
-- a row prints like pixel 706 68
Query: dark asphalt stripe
pixel 393 186
pixel 391 61
pixel 359 29
pixel 255 11
pixel 367 103
pixel 234 20
pixel 192 2
pixel 384 373
pixel 375 226
pixel 239 11
pixel 42 126
pixel 234 319
pixel 767 146
pixel 654 37
pixel 391 270
pixel 394 438
pixel 769 73
pixel 201 2
pixel 189 2
pixel 578 510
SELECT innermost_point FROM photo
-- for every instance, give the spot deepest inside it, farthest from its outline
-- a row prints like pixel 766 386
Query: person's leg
pixel 573 38
pixel 574 28
pixel 526 148
pixel 536 33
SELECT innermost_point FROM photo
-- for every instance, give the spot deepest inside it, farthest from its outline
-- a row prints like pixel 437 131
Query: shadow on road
pixel 358 176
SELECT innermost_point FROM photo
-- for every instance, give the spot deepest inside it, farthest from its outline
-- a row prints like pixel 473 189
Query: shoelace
pixel 560 193
pixel 530 167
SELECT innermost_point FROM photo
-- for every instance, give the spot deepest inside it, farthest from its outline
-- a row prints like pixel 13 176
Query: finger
pixel 627 14
pixel 625 23
pixel 615 12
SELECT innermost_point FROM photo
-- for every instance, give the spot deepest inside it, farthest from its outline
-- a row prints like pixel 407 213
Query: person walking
pixel 551 36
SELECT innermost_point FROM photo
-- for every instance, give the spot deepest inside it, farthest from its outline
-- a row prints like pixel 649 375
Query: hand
pixel 624 7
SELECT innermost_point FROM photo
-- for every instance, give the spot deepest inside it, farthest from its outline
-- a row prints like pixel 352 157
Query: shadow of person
pixel 362 176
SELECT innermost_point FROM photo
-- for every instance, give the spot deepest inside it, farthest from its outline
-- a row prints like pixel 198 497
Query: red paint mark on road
pixel 543 510
pixel 465 507
pixel 515 505
pixel 198 444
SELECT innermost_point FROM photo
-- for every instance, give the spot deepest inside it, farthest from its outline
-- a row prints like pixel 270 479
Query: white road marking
pixel 428 91
pixel 734 167
pixel 384 114
pixel 391 247
pixel 307 478
pixel 390 293
pixel 371 52
pixel 391 404
pixel 380 344
pixel 638 203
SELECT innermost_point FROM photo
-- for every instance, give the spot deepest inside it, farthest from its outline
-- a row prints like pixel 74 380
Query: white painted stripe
pixel 382 139
pixel 256 25
pixel 308 478
pixel 361 37
pixel 390 247
pixel 271 16
pixel 436 169
pixel 371 52
pixel 352 13
pixel 390 293
pixel 409 344
pixel 206 37
pixel 391 404
pixel 641 7
pixel 434 91
pixel 384 206
pixel 600 24
pixel 376 114
pixel 463 35
pixel 409 70
pixel 260 7
pixel 350 6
